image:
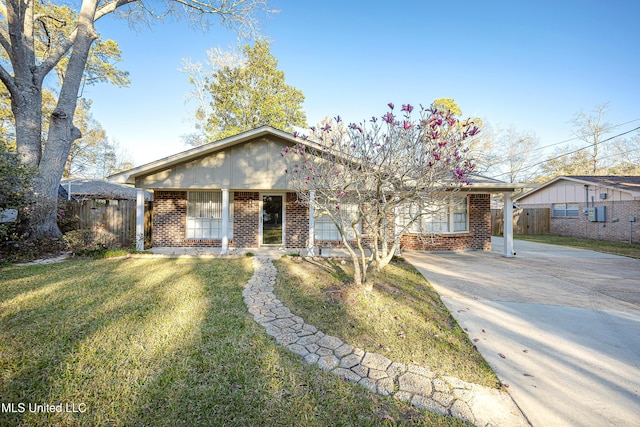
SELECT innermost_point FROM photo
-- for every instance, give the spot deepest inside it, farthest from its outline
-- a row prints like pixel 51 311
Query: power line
pixel 583 148
pixel 575 137
pixel 575 151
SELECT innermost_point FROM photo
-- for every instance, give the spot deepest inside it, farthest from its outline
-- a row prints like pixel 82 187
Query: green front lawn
pixel 164 342
pixel 618 248
pixel 403 317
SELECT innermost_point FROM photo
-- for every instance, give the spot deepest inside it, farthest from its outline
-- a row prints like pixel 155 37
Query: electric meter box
pixel 597 214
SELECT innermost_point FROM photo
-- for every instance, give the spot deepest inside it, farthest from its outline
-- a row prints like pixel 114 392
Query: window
pixel 565 210
pixel 204 215
pixel 451 217
pixel 325 229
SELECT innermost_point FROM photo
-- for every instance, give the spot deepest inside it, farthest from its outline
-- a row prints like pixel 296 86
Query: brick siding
pixel 616 227
pixel 169 219
pixel 478 237
pixel 170 216
pixel 170 223
pixel 246 216
pixel 297 223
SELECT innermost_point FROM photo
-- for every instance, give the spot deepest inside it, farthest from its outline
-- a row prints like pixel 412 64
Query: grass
pixel 617 248
pixel 160 342
pixel 402 319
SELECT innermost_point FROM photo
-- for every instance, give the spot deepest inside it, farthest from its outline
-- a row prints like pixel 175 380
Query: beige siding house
pixel 595 207
pixel 235 193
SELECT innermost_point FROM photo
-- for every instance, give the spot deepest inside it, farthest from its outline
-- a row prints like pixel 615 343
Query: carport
pixel 561 326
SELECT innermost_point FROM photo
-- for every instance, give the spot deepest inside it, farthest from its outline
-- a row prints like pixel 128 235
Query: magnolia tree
pixel 376 179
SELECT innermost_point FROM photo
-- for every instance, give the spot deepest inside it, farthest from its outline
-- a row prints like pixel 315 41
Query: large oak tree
pixel 35 41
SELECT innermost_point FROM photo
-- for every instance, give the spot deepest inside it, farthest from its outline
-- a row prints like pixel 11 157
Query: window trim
pixel 555 207
pixel 193 224
pixel 418 227
pixel 324 222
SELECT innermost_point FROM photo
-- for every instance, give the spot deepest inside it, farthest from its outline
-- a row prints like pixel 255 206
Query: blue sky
pixel 528 64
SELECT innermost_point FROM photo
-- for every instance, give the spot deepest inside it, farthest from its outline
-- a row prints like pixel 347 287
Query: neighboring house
pixel 235 193
pixel 595 207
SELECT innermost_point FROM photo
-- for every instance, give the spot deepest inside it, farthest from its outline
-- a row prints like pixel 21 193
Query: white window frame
pixel 204 222
pixel 425 224
pixel 565 210
pixel 326 230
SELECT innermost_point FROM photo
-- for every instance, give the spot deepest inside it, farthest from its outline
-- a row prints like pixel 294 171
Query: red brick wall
pixel 170 223
pixel 169 219
pixel 246 215
pixel 170 212
pixel 478 237
pixel 480 221
pixel 297 223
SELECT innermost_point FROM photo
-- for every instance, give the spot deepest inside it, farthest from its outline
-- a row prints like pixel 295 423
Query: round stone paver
pixel 415 384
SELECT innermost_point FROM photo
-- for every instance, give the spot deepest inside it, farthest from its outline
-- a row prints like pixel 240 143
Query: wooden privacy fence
pixel 112 222
pixel 525 221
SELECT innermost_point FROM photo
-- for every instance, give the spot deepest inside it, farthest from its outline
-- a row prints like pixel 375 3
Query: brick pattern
pixel 246 216
pixel 480 221
pixel 297 223
pixel 169 219
pixel 169 227
pixel 616 228
pixel 170 214
pixel 478 237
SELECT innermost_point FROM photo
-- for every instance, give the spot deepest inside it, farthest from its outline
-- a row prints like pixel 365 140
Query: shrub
pixel 15 192
pixel 81 242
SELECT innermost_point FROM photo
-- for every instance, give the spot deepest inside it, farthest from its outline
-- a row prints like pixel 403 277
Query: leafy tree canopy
pixel 247 93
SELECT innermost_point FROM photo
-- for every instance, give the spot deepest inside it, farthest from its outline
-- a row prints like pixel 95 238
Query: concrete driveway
pixel 561 326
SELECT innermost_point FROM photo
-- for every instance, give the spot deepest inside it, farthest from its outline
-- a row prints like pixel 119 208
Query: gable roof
pixel 479 183
pixel 128 176
pixel 629 184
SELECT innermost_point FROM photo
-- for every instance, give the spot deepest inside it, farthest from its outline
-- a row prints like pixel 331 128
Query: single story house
pixel 594 207
pixel 235 193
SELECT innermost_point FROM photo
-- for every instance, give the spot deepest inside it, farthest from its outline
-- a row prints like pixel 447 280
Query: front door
pixel 272 219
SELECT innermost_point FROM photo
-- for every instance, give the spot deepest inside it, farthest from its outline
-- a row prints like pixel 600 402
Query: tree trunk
pixel 62 132
pixel 27 111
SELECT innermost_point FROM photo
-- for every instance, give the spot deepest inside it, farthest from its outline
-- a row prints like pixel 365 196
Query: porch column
pixel 312 223
pixel 508 225
pixel 140 219
pixel 225 221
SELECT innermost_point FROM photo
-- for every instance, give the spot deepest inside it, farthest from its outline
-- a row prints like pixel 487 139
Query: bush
pixel 15 192
pixel 67 221
pixel 81 242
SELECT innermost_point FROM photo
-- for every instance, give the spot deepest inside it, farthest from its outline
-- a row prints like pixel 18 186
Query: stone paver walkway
pixel 418 385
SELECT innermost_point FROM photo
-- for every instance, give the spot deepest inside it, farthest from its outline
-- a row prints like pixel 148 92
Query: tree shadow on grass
pixel 94 335
pixel 237 375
